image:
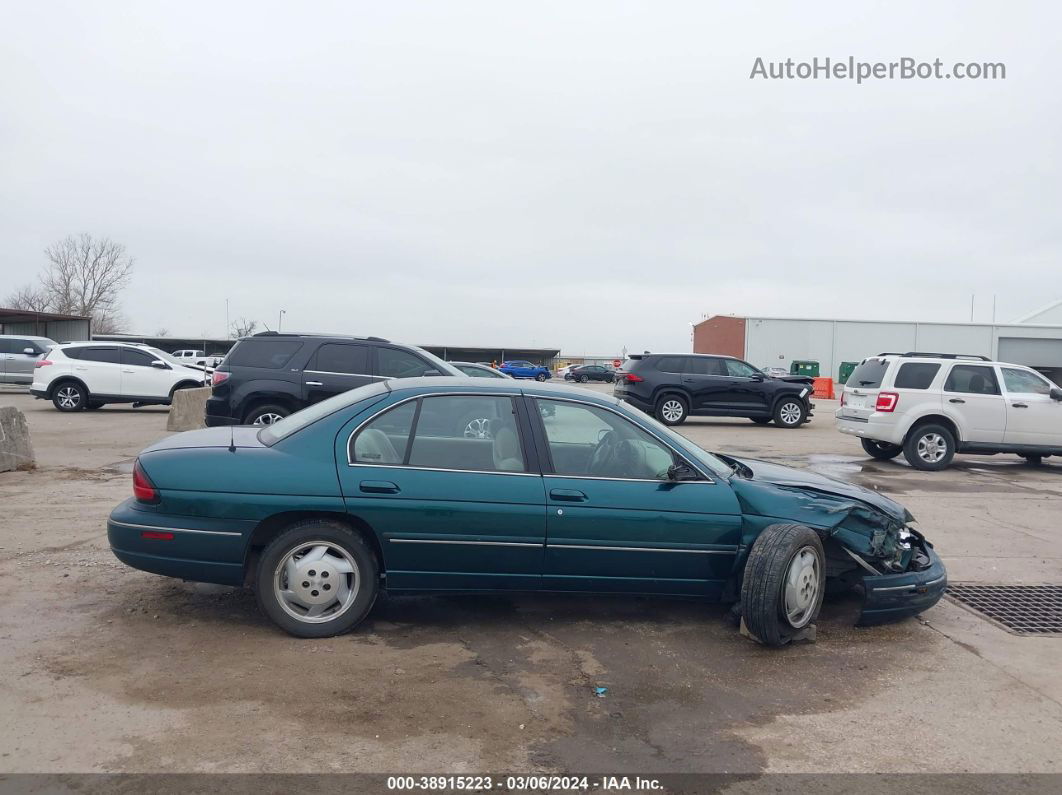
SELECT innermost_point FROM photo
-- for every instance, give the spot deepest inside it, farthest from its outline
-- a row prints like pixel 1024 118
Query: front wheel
pixel 540 377
pixel 882 451
pixel 266 415
pixel 783 585
pixel 70 397
pixel 790 413
pixel 929 447
pixel 583 379
pixel 671 410
pixel 317 579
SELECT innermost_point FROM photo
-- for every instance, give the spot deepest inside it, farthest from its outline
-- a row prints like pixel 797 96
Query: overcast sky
pixel 584 175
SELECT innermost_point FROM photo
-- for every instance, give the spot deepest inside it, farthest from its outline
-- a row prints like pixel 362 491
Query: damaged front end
pixel 867 537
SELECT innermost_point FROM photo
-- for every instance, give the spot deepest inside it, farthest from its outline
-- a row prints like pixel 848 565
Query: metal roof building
pixel 61 328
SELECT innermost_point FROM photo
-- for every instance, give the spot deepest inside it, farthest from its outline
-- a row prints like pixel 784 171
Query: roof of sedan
pixel 508 386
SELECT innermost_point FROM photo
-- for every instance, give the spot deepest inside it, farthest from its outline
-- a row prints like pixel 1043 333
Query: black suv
pixel 672 386
pixel 266 377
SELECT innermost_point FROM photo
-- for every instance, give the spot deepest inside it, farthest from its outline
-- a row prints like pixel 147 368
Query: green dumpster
pixel 845 371
pixel 800 367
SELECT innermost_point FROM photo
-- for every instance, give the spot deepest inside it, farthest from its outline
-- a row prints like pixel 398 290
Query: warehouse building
pixel 778 342
pixel 61 328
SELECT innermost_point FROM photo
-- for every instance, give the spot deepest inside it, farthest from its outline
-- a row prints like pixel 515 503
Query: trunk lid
pixel 233 436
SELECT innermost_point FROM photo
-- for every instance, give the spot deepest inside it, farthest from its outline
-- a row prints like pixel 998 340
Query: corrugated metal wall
pixel 58 330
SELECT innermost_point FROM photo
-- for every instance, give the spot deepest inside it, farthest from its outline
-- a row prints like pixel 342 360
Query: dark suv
pixel 672 386
pixel 266 377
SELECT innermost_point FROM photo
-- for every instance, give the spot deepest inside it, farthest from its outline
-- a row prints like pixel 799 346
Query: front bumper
pixel 890 597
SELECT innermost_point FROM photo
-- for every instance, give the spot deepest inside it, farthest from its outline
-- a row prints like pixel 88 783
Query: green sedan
pixel 447 485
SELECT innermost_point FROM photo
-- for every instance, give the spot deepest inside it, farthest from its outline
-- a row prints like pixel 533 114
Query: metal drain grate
pixel 1023 609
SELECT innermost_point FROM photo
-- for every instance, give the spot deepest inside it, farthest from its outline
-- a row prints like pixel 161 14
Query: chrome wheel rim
pixel 801 587
pixel 790 413
pixel 672 410
pixel 316 582
pixel 478 429
pixel 268 418
pixel 932 448
pixel 69 397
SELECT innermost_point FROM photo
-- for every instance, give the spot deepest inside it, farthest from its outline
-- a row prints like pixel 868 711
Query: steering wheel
pixel 604 453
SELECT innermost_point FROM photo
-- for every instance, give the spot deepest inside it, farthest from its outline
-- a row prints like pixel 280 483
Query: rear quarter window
pixel 265 353
pixel 869 374
pixel 916 375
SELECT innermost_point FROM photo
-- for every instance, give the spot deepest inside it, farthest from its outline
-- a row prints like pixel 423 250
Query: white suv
pixel 87 375
pixel 931 406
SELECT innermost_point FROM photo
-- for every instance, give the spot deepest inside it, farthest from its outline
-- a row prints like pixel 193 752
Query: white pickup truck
pixel 197 357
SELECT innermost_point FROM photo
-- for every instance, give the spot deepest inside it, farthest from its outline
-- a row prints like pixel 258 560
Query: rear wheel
pixel 790 413
pixel 1033 459
pixel 783 585
pixel 882 451
pixel 929 447
pixel 583 379
pixel 671 410
pixel 70 396
pixel 266 415
pixel 317 579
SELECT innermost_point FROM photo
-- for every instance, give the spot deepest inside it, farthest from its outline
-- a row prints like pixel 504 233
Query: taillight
pixel 143 489
pixel 631 378
pixel 842 398
pixel 41 363
pixel 218 378
pixel 886 401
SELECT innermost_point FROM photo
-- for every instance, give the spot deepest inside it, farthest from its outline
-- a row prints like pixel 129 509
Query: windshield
pixel 271 434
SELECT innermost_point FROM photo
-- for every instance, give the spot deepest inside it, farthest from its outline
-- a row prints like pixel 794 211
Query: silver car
pixel 19 355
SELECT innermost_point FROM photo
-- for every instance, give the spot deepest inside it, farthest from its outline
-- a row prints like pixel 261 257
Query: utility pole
pixel 280 319
pixel 228 333
pixel 972 296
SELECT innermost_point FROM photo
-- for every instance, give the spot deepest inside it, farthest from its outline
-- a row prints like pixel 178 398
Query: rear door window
pixel 705 365
pixel 265 353
pixel 869 374
pixel 916 375
pixel 972 380
pixel 336 357
pixel 108 355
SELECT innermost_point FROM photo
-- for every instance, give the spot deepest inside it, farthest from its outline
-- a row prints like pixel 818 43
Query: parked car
pixel 674 386
pixel 930 406
pixel 268 376
pixel 88 375
pixel 19 354
pixel 476 370
pixel 775 372
pixel 197 357
pixel 595 497
pixel 518 368
pixel 590 372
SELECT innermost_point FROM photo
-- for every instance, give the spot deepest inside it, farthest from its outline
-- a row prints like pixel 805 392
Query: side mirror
pixel 431 372
pixel 1056 393
pixel 758 377
pixel 160 364
pixel 681 471
pixel 30 351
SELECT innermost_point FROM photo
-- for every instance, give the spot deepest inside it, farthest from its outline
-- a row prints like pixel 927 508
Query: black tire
pixel 583 379
pixel 761 420
pixel 791 412
pixel 70 396
pixel 1033 459
pixel 763 588
pixel 671 409
pixel 93 406
pixel 540 377
pixel 883 451
pixel 609 378
pixel 923 445
pixel 332 534
pixel 266 415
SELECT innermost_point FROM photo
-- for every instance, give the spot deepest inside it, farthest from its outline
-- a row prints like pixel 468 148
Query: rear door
pixel 19 364
pixel 706 379
pixel 614 521
pixel 337 367
pixel 141 379
pixel 453 512
pixel 972 392
pixel 99 366
pixel 1033 416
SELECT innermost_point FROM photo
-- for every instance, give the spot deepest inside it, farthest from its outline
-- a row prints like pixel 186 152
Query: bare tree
pixel 244 327
pixel 30 298
pixel 85 276
pixel 162 332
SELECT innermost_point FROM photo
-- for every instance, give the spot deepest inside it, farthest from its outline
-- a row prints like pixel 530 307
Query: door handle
pixel 379 487
pixel 956 400
pixel 1020 405
pixel 567 495
pixel 314 383
pixel 131 372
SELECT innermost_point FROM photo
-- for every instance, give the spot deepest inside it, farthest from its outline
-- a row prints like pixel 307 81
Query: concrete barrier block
pixel 188 409
pixel 16 451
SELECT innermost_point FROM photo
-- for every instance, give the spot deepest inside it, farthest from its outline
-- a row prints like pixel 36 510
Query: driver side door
pixel 614 521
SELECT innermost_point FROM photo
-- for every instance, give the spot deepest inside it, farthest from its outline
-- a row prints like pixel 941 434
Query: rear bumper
pixel 637 401
pixel 201 550
pixel 40 394
pixel 870 428
pixel 890 597
pixel 217 413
